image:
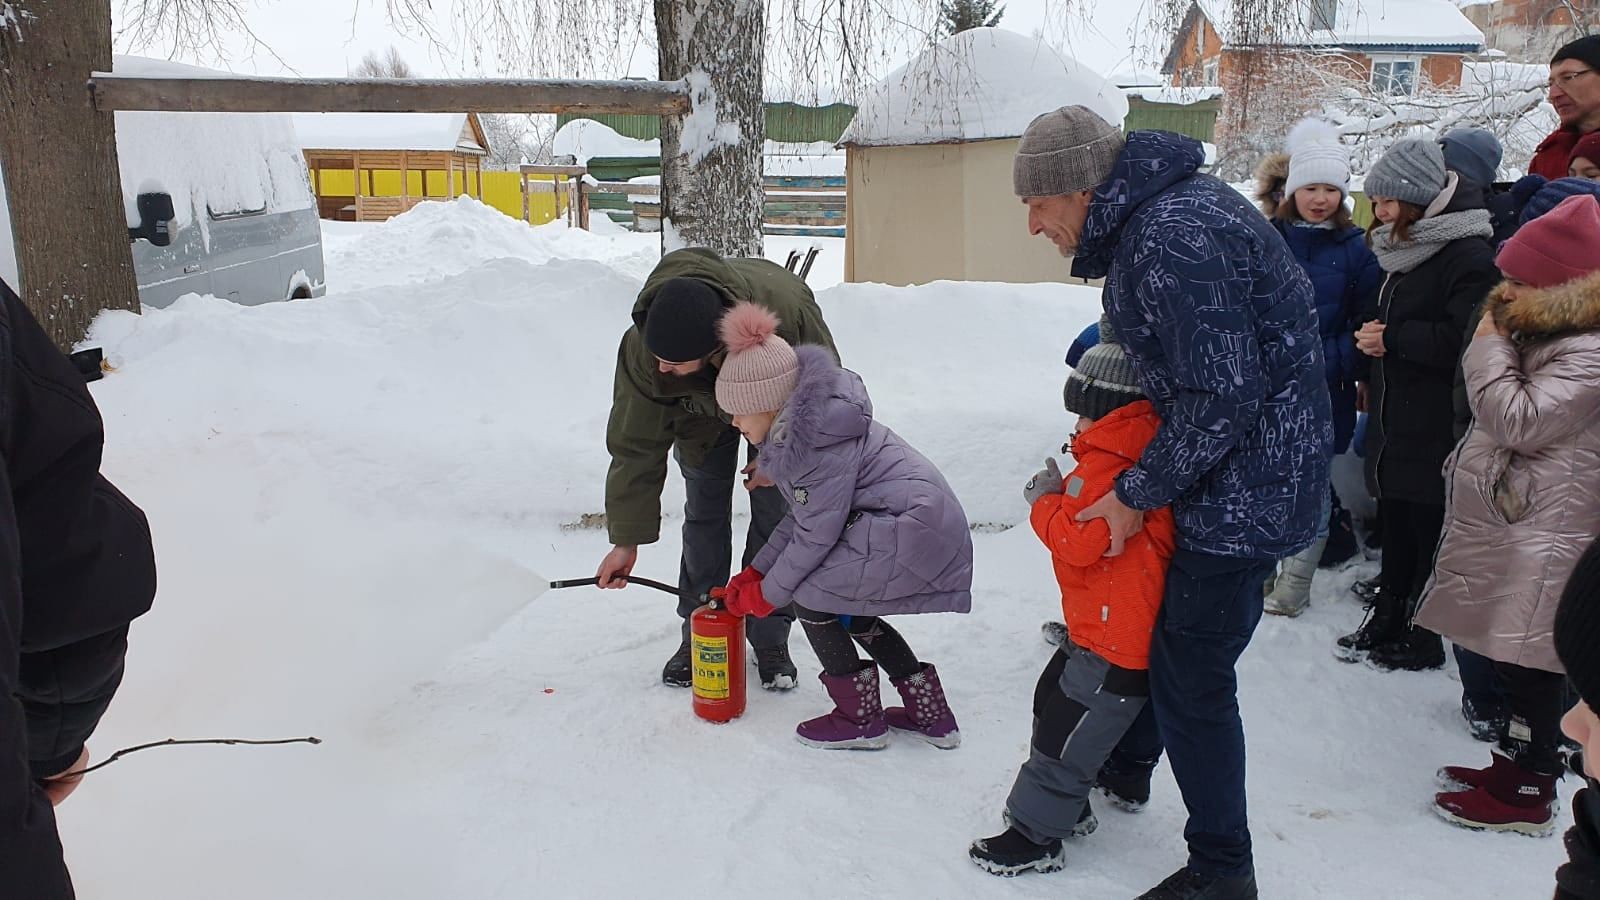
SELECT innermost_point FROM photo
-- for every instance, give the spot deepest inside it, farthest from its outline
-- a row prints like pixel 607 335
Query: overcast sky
pixel 329 37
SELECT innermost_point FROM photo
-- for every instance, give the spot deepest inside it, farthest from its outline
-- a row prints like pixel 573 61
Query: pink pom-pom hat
pixel 760 370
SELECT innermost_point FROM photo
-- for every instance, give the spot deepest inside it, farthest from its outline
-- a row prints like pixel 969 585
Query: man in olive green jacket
pixel 664 400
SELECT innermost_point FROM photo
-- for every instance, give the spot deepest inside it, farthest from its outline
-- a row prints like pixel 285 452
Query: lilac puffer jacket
pixel 873 528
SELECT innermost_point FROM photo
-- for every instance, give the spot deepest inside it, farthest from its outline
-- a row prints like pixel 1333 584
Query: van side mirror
pixel 155 219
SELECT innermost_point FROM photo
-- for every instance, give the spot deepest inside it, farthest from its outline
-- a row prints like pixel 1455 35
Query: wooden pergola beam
pixel 123 92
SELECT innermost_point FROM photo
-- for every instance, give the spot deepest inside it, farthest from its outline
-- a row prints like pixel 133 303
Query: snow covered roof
pixel 1400 24
pixel 981 84
pixel 1181 96
pixel 430 132
pixel 585 139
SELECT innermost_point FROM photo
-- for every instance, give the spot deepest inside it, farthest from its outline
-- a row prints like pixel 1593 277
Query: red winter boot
pixel 1520 801
pixel 1461 778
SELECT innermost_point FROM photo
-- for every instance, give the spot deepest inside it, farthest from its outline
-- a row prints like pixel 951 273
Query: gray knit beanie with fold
pixel 1412 170
pixel 1104 380
pixel 1066 151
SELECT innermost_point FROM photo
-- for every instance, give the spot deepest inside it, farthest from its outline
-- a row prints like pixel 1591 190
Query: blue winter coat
pixel 1345 274
pixel 1221 326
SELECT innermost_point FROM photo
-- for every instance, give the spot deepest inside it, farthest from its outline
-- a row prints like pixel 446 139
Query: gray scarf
pixel 1428 237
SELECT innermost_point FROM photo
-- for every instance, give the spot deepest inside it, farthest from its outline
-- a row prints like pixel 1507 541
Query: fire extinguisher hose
pixel 591 582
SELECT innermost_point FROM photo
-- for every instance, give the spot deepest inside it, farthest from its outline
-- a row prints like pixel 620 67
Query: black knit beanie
pixel 1585 50
pixel 1103 380
pixel 1578 627
pixel 681 324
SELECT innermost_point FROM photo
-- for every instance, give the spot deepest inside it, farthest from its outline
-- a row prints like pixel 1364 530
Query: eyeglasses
pixel 1561 81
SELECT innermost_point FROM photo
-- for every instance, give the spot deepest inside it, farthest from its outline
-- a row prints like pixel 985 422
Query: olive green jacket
pixel 652 412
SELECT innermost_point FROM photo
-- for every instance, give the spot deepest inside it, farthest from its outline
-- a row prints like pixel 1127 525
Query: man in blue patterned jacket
pixel 1220 323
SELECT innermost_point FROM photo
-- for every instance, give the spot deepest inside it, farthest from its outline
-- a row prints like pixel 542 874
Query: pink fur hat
pixel 759 373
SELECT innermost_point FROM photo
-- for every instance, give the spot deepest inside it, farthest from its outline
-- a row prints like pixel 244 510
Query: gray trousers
pixel 1081 706
pixel 708 536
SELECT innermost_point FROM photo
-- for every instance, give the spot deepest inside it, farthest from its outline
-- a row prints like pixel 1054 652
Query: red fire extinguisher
pixel 716 640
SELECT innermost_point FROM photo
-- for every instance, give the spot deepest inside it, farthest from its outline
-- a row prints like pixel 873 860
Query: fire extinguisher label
pixel 711 667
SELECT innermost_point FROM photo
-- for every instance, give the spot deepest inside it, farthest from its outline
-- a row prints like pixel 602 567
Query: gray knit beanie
pixel 1066 151
pixel 1412 171
pixel 1104 380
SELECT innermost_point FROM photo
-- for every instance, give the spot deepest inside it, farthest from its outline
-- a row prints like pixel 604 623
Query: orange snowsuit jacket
pixel 1110 602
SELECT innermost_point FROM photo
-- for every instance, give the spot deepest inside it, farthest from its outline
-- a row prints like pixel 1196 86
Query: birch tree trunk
pixel 711 192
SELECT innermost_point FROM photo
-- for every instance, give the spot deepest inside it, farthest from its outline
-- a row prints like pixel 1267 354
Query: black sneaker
pixel 1010 854
pixel 1382 625
pixel 1485 725
pixel 679 670
pixel 1055 633
pixel 1127 790
pixel 776 668
pixel 1416 650
pixel 1187 884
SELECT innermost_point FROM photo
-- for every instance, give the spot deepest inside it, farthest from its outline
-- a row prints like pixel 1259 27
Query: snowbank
pixel 356 500
pixel 443 238
pixel 979 84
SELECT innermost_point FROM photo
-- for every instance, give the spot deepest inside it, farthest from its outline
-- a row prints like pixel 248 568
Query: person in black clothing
pixel 76 566
pixel 1577 634
pixel 1431 238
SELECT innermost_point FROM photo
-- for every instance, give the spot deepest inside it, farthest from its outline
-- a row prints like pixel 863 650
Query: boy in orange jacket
pixel 1098 681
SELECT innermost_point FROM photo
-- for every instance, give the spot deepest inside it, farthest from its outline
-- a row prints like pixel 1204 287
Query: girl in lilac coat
pixel 873 529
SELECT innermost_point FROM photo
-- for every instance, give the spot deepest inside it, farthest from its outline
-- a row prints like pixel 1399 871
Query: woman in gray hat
pixel 1432 241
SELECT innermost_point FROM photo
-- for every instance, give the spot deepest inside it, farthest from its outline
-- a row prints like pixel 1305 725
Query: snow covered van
pixel 231 190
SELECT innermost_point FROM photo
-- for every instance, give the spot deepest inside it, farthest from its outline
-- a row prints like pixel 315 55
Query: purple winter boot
pixel 926 714
pixel 856 722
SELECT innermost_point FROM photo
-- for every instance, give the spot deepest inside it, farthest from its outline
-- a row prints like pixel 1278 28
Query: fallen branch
pixel 174 742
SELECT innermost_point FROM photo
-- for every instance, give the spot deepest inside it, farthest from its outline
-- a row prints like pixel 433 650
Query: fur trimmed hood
pixel 1271 176
pixel 1563 309
pixel 829 405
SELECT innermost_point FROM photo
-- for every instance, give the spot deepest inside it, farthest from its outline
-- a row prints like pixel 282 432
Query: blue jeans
pixel 1208 614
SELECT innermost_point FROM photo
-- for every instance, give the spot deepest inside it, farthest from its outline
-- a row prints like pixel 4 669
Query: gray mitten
pixel 1045 481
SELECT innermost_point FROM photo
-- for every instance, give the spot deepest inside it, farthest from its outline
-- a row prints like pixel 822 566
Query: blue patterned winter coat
pixel 1345 275
pixel 873 528
pixel 1220 323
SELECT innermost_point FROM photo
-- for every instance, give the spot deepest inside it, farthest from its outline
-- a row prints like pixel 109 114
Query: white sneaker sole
pixel 1119 802
pixel 948 742
pixel 1526 829
pixel 868 743
pixel 1055 862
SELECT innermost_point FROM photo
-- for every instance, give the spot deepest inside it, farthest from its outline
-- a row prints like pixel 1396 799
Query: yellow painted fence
pixel 501 190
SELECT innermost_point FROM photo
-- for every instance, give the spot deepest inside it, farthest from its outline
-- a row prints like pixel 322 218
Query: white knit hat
pixel 1316 157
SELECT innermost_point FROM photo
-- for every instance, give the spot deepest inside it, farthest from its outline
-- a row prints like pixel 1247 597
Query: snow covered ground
pixel 356 500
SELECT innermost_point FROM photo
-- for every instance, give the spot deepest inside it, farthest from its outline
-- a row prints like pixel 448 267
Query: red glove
pixel 745 577
pixel 743 596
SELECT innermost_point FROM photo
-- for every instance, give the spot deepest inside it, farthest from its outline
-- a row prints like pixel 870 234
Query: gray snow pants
pixel 708 536
pixel 1081 706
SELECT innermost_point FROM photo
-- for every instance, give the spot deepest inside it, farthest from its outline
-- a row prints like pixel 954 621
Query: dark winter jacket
pixel 1579 877
pixel 873 528
pixel 1221 326
pixel 76 566
pixel 1345 276
pixel 652 412
pixel 1428 313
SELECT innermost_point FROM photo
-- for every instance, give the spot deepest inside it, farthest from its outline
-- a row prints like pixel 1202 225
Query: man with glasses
pixel 1575 93
pixel 664 402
